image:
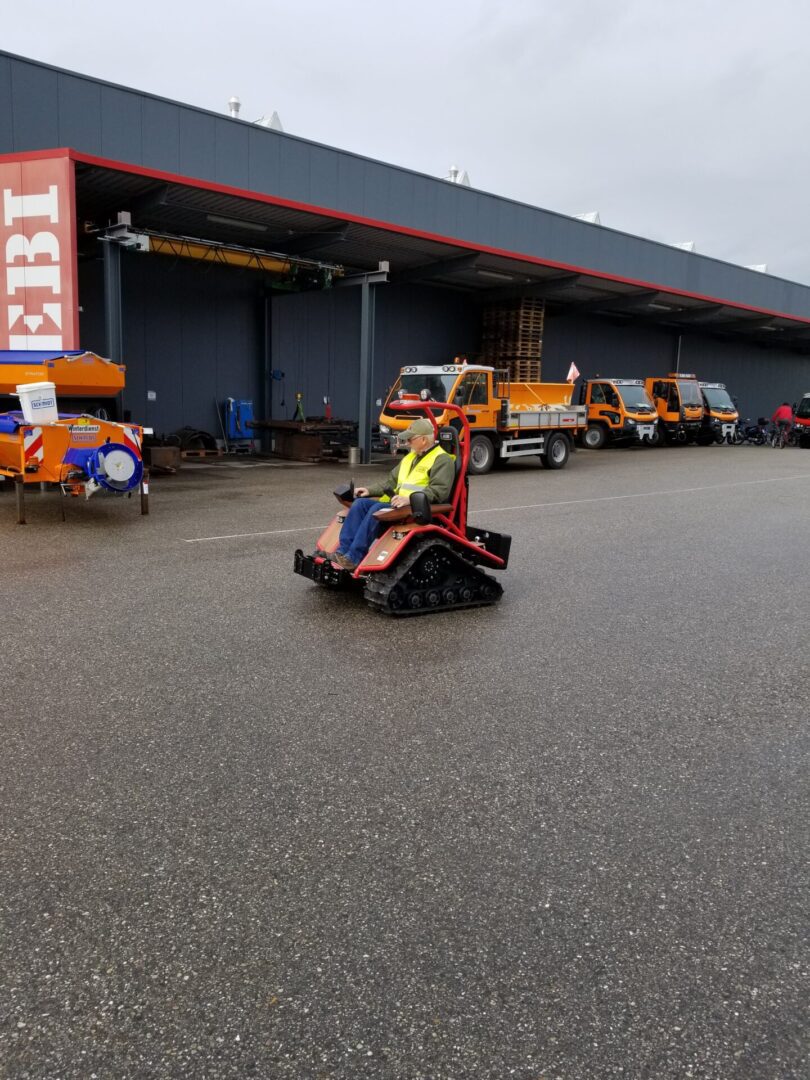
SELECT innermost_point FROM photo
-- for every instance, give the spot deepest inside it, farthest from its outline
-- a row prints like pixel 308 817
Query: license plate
pixel 645 430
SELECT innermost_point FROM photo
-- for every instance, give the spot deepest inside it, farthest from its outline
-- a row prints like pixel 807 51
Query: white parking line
pixel 643 494
pixel 270 532
pixel 534 506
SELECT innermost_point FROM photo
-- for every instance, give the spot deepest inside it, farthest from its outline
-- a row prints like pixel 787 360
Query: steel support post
pixel 267 373
pixel 113 324
pixel 367 305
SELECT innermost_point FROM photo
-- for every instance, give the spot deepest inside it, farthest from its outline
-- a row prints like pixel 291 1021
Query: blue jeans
pixel 360 529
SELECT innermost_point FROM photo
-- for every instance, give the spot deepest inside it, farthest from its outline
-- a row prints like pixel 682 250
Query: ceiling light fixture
pixel 252 226
pixel 495 274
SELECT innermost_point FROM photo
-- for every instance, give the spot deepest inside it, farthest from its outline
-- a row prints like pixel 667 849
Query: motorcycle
pixel 750 432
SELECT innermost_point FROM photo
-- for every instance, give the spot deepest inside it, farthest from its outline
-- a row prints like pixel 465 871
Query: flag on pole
pixel 573 373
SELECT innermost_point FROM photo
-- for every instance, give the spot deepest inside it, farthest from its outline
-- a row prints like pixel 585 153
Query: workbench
pixel 314 439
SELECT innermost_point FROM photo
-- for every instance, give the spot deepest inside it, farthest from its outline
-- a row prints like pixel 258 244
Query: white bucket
pixel 38 402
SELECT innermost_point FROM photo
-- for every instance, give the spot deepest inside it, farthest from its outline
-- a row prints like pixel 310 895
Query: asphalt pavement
pixel 249 828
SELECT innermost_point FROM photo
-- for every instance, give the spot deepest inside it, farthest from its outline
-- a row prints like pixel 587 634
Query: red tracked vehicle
pixel 428 559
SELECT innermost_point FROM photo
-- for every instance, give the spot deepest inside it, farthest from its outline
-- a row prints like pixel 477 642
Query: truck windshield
pixel 690 392
pixel 633 396
pixel 803 410
pixel 717 399
pixel 439 386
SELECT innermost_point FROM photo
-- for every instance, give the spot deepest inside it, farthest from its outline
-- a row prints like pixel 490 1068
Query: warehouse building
pixel 218 258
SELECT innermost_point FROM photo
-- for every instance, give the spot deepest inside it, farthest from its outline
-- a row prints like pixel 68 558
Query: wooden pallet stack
pixel 513 337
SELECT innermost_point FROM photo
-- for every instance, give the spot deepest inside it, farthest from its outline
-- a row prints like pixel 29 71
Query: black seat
pixel 448 440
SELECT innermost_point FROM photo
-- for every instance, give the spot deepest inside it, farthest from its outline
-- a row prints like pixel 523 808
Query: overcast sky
pixel 677 121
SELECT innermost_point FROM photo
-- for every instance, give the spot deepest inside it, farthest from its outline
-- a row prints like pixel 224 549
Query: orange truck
pixel 679 404
pixel 507 419
pixel 720 416
pixel 80 452
pixel 619 411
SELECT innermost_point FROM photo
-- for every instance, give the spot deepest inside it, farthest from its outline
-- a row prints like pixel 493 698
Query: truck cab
pixel 619 411
pixel 679 405
pixel 720 416
pixel 802 421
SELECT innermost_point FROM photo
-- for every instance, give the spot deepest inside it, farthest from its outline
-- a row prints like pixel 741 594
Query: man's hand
pixel 400 500
pixel 360 493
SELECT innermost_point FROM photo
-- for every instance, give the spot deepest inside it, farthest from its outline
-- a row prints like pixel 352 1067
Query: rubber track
pixel 379 586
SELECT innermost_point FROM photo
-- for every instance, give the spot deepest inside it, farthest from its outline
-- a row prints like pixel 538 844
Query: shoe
pixel 343 561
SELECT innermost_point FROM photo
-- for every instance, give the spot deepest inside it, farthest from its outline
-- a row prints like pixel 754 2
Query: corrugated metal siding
pixel 315 342
pixel 50 109
pixel 194 334
pixel 759 378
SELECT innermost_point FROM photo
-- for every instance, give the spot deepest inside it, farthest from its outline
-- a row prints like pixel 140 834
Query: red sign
pixel 38 288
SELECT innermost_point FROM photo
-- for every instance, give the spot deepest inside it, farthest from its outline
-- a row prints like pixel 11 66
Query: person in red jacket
pixel 783 418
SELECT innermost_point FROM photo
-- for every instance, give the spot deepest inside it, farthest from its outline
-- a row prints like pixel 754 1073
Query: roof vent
pixel 592 217
pixel 457 176
pixel 234 105
pixel 685 245
pixel 761 268
pixel 273 121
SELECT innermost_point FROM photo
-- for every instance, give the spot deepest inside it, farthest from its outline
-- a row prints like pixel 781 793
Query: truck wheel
pixel 595 437
pixel 482 455
pixel 557 451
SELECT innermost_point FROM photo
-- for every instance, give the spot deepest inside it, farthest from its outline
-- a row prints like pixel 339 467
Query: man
pixel 782 418
pixel 783 415
pixel 427 467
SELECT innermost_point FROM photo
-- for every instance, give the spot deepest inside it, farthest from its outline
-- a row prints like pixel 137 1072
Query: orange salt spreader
pixel 80 452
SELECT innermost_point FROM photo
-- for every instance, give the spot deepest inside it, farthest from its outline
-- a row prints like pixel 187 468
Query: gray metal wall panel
pixel 599 347
pixel 351 190
pixel 294 172
pixel 6 114
pixel 316 343
pixel 232 155
pixel 35 107
pixel 160 136
pixel 197 142
pixel 191 333
pixel 419 325
pixel 264 156
pixel 121 122
pixel 323 177
pixel 79 114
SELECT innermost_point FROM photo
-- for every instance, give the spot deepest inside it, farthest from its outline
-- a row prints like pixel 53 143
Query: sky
pixel 678 121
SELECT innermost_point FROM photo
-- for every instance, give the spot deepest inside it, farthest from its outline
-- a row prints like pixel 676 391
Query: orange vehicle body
pixel 81 374
pixel 619 410
pixel 81 453
pixel 506 419
pixel 679 405
pixel 56 452
pixel 720 416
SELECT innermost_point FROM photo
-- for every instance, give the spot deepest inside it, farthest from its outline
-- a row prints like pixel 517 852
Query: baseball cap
pixel 422 426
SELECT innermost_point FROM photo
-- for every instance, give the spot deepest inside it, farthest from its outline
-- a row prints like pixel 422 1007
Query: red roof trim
pixel 36 155
pixel 224 189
